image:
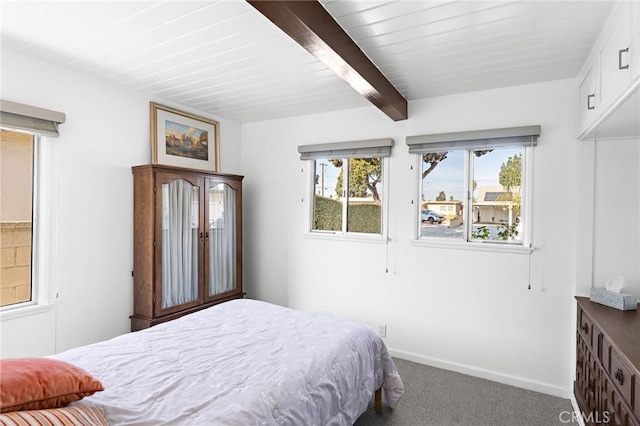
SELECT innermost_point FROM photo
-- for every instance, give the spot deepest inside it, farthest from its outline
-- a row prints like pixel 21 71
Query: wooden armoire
pixel 187 227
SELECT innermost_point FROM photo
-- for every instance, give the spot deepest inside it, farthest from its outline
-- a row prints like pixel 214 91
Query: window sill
pixel 373 239
pixel 23 311
pixel 465 245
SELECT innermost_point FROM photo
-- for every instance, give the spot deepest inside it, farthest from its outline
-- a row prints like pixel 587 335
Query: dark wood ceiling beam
pixel 309 24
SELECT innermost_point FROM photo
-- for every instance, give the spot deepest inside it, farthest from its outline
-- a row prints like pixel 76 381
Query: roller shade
pixel 475 140
pixel 352 149
pixel 32 119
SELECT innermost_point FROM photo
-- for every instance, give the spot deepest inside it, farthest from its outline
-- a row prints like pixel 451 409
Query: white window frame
pixel 468 202
pixel 43 237
pixel 524 137
pixel 343 234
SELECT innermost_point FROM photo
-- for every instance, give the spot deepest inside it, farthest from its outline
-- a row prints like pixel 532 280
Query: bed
pixel 243 362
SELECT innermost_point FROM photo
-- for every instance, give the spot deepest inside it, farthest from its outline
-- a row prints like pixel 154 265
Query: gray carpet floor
pixel 436 397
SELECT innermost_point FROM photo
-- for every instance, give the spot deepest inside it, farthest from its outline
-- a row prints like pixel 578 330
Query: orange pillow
pixel 41 383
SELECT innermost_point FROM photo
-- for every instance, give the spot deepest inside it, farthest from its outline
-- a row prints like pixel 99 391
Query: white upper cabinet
pixel 608 85
pixel 635 41
pixel 615 72
pixel 587 99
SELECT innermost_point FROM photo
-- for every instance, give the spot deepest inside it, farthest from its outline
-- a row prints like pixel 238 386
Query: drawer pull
pixel 585 328
pixel 589 104
pixel 619 376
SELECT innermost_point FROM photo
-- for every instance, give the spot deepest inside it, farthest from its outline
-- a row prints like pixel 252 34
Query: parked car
pixel 431 216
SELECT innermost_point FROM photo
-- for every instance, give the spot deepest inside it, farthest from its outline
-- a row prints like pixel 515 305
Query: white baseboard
pixel 494 376
pixel 576 409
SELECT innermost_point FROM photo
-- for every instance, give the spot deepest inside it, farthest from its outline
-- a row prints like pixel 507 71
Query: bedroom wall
pixel 465 310
pixel 107 132
pixel 617 210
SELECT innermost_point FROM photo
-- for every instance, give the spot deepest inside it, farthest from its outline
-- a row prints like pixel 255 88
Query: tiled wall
pixel 15 272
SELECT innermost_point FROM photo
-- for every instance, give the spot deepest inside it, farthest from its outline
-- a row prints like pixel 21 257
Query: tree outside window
pixel 492 211
pixel 354 209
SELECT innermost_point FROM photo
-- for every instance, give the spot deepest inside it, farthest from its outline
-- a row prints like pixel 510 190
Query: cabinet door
pixel 615 58
pixel 587 100
pixel 223 239
pixel 635 41
pixel 178 243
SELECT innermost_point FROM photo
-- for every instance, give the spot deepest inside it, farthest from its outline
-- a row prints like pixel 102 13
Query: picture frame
pixel 182 139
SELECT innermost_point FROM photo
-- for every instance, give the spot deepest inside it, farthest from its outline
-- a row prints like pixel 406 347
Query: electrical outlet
pixel 382 330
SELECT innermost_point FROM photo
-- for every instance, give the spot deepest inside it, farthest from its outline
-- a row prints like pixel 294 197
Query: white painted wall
pixel 617 213
pixel 107 132
pixel 465 310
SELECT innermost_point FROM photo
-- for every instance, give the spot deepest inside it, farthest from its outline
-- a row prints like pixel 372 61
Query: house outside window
pixel 348 187
pixel 16 224
pixel 479 182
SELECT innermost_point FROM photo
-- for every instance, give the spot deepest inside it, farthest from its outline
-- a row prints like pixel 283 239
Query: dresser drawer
pixel 623 415
pixel 633 421
pixel 622 377
pixel 584 326
pixel 606 354
pixel 636 398
pixel 610 416
pixel 596 340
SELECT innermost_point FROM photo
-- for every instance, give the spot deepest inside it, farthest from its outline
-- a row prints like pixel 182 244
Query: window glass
pixel 16 198
pixel 327 200
pixel 441 207
pixel 348 195
pixel 493 210
pixel 364 211
pixel 497 195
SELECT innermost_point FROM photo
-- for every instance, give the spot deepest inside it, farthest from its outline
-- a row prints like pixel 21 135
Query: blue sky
pixel 330 177
pixel 448 176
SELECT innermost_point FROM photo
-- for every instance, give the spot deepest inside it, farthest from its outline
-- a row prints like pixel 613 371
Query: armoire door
pixel 222 238
pixel 178 243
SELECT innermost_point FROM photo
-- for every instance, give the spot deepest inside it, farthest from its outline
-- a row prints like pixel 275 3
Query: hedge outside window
pixel 348 195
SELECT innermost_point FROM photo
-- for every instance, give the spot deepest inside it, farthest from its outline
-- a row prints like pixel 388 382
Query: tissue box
pixel 622 301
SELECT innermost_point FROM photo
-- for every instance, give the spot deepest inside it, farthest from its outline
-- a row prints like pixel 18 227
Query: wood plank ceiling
pixel 312 27
pixel 225 59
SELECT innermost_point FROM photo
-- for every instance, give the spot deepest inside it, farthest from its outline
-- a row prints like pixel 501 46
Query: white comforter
pixel 242 362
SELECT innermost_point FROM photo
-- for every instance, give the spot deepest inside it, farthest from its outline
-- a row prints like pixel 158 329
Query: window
pixel 497 194
pixel 348 195
pixel 26 185
pixel 443 175
pixel 348 186
pixel 477 181
pixel 17 153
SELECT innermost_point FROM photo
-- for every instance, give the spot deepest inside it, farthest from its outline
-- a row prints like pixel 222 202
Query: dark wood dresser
pixel 607 385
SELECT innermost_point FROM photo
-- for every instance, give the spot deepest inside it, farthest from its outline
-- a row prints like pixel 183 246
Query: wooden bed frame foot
pixel 377 402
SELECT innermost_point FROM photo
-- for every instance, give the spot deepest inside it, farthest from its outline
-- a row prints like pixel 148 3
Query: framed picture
pixel 182 139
